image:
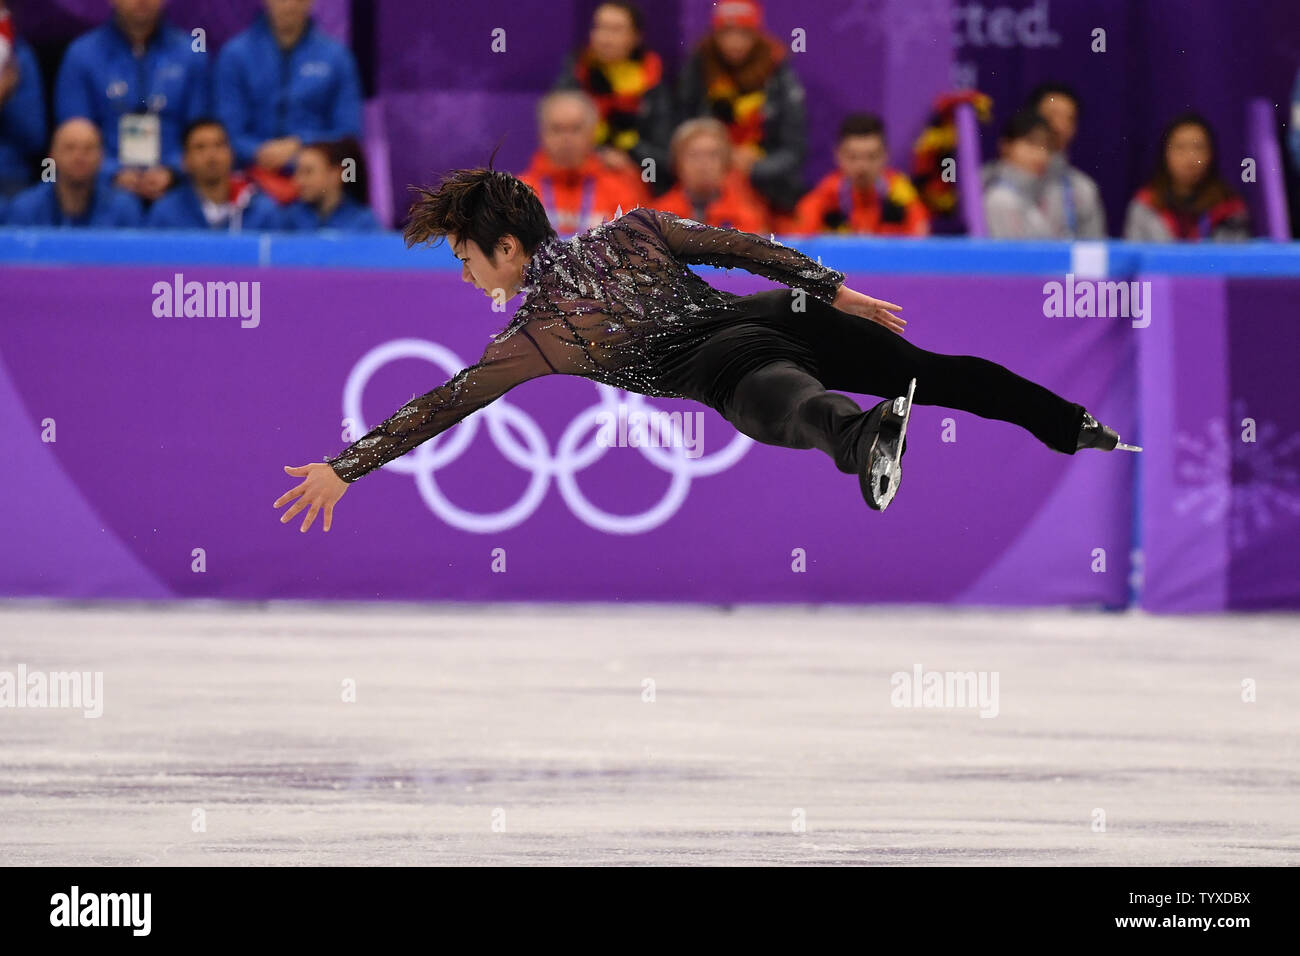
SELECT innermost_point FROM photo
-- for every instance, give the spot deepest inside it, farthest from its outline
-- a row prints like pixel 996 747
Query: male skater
pixel 617 304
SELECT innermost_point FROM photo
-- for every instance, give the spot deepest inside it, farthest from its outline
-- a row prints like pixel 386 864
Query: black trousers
pixel 786 402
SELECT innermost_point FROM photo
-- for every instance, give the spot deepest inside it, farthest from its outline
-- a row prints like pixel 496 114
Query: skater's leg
pixel 858 355
pixel 783 404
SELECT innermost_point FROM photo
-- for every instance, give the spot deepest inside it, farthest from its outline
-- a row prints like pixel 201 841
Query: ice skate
pixel 1093 434
pixel 881 471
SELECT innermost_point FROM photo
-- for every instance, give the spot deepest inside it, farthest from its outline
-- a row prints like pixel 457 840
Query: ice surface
pixel 535 718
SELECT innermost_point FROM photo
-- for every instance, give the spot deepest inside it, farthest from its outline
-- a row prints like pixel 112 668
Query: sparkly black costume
pixel 618 305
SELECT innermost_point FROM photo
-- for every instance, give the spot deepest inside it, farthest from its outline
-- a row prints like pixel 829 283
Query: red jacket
pixel 737 205
pixel 578 199
pixel 901 213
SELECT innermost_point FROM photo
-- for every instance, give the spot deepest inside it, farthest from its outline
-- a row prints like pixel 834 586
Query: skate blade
pixel 887 473
pixel 1120 446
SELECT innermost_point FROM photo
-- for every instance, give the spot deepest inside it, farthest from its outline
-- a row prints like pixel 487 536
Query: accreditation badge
pixel 139 139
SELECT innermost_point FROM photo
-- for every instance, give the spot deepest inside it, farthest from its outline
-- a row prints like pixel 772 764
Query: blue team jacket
pixel 180 208
pixel 110 207
pixel 22 118
pixel 350 216
pixel 310 91
pixel 101 79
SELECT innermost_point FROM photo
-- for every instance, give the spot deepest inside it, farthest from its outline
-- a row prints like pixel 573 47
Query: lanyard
pixel 1067 202
pixel 561 220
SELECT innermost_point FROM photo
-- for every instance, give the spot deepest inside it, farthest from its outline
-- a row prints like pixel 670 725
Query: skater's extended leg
pixel 783 404
pixel 858 355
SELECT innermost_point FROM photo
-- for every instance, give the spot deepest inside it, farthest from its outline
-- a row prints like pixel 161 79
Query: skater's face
pixel 505 273
pixel 613 35
pixel 862 158
pixel 1062 116
pixel 568 132
pixel 1188 156
pixel 1032 151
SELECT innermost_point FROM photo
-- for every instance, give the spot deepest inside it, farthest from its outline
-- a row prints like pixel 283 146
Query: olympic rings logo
pixel 569 458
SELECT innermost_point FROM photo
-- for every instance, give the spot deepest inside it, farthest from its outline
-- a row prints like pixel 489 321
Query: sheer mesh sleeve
pixel 504 365
pixel 698 244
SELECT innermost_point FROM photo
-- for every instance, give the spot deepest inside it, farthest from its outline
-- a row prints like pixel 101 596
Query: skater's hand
pixel 322 488
pixel 877 310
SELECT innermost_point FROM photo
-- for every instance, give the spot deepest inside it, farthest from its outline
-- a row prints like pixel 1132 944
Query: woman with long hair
pixel 739 74
pixel 626 81
pixel 1187 199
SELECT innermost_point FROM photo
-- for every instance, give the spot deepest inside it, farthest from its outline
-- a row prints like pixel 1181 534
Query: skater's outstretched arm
pixel 504 365
pixel 697 244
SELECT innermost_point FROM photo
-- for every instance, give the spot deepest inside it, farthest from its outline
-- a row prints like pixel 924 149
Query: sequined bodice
pixel 610 304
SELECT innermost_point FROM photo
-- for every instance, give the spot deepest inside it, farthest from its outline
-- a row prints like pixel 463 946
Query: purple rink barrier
pixel 1220 478
pixel 171 434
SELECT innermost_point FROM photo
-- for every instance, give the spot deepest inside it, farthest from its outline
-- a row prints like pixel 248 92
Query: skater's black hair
pixel 482 204
pixel 1023 122
pixel 860 124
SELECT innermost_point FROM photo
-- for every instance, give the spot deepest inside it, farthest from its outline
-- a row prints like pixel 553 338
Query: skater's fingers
pixel 298 470
pixel 329 516
pixel 298 506
pixel 290 494
pixel 888 305
pixel 311 516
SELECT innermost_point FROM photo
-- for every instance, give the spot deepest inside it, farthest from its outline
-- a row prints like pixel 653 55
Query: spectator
pixel 22 112
pixel 863 195
pixel 211 197
pixel 282 83
pixel 577 190
pixel 1071 199
pixel 708 189
pixel 738 75
pixel 1186 199
pixel 322 202
pixel 78 196
pixel 1013 197
pixel 1293 137
pixel 139 80
pixel 626 82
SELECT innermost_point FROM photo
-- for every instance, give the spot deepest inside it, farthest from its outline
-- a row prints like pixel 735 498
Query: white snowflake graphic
pixel 1251 485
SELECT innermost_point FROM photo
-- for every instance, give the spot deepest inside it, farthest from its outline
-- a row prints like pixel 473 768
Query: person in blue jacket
pixel 211 197
pixel 78 196
pixel 282 83
pixel 22 118
pixel 140 81
pixel 323 202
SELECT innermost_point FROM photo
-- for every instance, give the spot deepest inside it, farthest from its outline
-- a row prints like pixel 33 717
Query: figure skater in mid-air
pixel 619 305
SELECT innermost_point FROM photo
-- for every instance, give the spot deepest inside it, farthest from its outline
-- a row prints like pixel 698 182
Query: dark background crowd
pixel 138 123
